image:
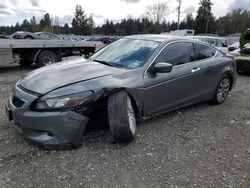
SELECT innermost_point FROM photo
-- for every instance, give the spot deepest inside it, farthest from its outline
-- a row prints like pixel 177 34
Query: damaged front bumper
pixel 46 128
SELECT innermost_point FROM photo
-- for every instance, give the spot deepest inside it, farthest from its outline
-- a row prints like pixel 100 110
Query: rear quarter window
pixel 203 52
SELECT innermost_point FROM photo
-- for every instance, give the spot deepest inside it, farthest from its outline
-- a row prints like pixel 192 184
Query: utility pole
pixel 179 13
pixel 207 25
pixel 92 24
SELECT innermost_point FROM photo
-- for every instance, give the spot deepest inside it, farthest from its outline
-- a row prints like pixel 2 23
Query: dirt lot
pixel 199 146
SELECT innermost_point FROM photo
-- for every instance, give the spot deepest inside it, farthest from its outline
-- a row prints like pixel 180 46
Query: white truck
pixel 42 52
pixel 183 32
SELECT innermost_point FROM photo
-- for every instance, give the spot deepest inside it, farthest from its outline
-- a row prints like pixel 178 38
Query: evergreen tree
pixel 239 19
pixel 33 24
pixel 183 25
pixel 81 23
pixel 17 27
pixel 205 21
pixel 190 22
pixel 26 25
pixel 45 23
pixel 66 29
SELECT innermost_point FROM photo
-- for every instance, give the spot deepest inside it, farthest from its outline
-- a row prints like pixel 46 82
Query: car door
pixel 168 91
pixel 210 69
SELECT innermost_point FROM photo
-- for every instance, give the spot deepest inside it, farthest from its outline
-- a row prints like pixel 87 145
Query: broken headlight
pixel 62 102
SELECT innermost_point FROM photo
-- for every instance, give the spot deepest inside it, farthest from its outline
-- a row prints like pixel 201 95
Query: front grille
pixel 18 103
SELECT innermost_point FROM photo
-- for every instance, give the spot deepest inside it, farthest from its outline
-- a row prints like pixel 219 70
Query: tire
pixel 121 116
pixel 25 63
pixel 222 90
pixel 28 37
pixel 46 58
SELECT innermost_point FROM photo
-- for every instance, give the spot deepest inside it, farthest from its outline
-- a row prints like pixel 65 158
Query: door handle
pixel 195 69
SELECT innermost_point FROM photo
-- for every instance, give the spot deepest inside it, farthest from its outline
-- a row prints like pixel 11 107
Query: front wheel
pixel 222 90
pixel 121 117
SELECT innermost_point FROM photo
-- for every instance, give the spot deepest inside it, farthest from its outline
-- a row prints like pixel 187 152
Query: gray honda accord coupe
pixel 136 77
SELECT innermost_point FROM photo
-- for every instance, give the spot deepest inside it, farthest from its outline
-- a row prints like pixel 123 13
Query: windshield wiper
pixel 102 62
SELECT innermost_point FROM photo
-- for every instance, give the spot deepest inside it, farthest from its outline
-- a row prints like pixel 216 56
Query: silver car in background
pixel 135 77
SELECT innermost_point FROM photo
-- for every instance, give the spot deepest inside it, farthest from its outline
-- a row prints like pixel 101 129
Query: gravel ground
pixel 198 146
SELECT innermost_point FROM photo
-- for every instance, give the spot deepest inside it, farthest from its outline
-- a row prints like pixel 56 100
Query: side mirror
pixel 162 67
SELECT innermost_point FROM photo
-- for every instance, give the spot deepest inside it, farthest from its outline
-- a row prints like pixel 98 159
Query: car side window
pixel 44 35
pixel 177 53
pixel 53 37
pixel 203 52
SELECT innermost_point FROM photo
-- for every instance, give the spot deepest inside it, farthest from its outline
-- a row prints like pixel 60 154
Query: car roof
pixel 206 37
pixel 157 37
pixel 167 38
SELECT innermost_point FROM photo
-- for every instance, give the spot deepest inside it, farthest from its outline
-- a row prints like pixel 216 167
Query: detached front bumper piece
pixel 46 128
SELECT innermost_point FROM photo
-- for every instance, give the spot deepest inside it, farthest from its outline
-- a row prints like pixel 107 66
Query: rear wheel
pixel 222 90
pixel 121 116
pixel 46 58
pixel 28 37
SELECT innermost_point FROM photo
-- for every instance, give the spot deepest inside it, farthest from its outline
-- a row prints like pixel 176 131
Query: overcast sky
pixel 12 11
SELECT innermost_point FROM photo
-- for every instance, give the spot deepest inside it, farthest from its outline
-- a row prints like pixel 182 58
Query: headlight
pixel 62 102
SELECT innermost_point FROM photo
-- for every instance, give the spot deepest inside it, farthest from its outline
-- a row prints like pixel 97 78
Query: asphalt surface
pixel 198 146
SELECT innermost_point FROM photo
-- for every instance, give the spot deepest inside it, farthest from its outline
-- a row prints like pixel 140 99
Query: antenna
pixel 179 12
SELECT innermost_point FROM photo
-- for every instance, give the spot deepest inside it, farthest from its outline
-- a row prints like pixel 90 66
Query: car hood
pixel 55 76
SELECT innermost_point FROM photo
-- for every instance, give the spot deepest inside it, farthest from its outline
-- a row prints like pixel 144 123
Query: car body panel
pixel 166 91
pixel 44 79
pixel 151 94
pixel 35 36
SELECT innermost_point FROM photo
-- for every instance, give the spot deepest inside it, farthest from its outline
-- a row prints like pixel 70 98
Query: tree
pixel 157 12
pixel 56 27
pixel 45 23
pixel 190 22
pixel 81 23
pixel 239 19
pixel 205 21
pixel 17 27
pixel 183 25
pixel 33 24
pixel 173 26
pixel 26 25
pixel 66 29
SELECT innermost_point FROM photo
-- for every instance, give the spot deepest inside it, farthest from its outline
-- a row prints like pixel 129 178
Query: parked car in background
pixel 3 37
pixel 72 37
pixel 246 49
pixel 136 76
pixel 35 36
pixel 243 59
pixel 218 42
pixel 24 35
pixel 48 36
pixel 243 63
pixel 182 32
pixel 234 46
pixel 105 39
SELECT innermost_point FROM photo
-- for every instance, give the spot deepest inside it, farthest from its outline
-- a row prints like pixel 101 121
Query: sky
pixel 12 11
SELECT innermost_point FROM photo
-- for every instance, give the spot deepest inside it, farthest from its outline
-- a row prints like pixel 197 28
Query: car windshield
pixel 126 53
